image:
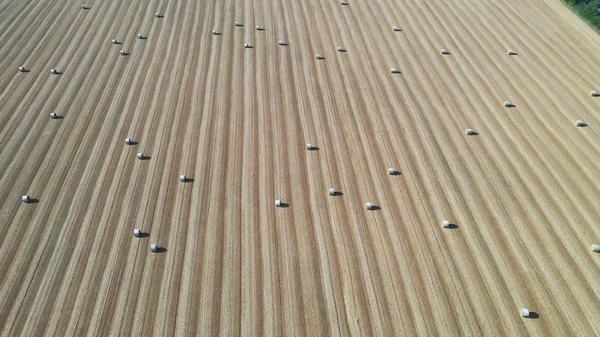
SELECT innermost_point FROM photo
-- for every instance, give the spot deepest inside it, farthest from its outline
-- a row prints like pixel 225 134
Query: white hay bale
pixel 157 14
pixel 238 24
pixel 579 123
pixel 140 155
pixel 22 69
pixel 277 203
pixel 258 28
pixel 53 115
pixel 340 49
pixel 309 146
pixel 53 71
pixel 508 104
pixel 25 198
pixel 510 52
pixel 446 224
pixel 154 247
pixel 369 206
pixel 391 171
pixel 444 52
pixel 595 248
pixel 319 57
pixel 281 43
pixel 183 178
pixel 246 45
pixel 525 312
pixel 395 71
pixel 128 141
pixel 344 3
pixel 137 232
pixel 594 94
pixel 214 32
pixel 396 29
pixel 114 41
pixel 140 36
pixel 469 132
pixel 332 191
pixel 84 6
pixel 122 52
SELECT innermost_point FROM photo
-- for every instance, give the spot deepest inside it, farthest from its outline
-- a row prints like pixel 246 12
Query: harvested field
pixel 520 192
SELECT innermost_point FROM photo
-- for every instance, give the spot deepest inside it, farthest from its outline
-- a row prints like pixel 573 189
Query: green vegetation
pixel 587 9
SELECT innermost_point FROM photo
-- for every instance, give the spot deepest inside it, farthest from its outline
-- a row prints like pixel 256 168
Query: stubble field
pixel 522 193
